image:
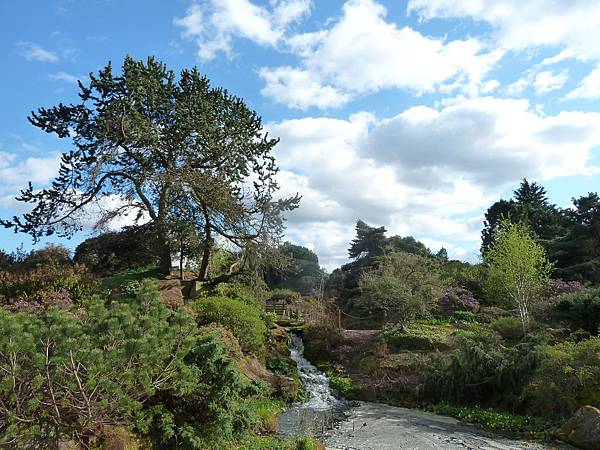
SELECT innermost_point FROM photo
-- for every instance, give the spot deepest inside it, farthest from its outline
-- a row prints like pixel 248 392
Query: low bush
pixel 343 385
pixel 51 284
pixel 489 418
pixel 136 364
pixel 580 310
pixel 463 317
pixel 244 320
pixel 509 327
pixel 417 336
pixel 568 377
pixel 480 371
pixel 456 299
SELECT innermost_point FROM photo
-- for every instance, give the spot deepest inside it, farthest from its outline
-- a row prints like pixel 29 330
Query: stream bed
pixel 344 425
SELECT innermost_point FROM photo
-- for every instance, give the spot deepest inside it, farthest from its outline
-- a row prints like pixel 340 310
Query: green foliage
pixel 578 251
pixel 40 284
pixel 264 411
pixel 463 316
pixel 481 371
pixel 244 320
pixel 489 418
pixel 580 310
pixel 302 272
pixel 568 377
pixel 418 336
pixel 343 385
pixel 129 275
pixel 404 286
pixel 111 252
pixel 464 275
pixel 518 269
pixel 409 244
pixel 508 327
pixel 136 364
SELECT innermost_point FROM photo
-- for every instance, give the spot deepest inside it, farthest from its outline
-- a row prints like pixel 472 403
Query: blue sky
pixel 415 115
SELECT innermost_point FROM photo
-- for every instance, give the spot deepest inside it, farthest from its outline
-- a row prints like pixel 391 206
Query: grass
pixel 266 410
pixel 275 443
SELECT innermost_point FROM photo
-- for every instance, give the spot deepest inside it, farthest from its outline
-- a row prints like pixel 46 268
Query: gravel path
pixel 373 426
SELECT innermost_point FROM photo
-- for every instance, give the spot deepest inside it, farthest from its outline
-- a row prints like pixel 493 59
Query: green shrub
pixel 496 420
pixel 480 371
pixel 244 320
pixel 343 385
pixel 115 251
pixel 580 310
pixel 418 336
pixel 463 316
pixel 568 377
pixel 508 327
pixel 136 364
pixel 38 287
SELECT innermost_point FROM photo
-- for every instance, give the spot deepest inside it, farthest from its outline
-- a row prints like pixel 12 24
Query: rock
pixel 170 292
pixel 583 429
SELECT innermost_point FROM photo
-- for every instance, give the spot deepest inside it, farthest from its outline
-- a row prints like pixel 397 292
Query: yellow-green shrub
pixel 244 320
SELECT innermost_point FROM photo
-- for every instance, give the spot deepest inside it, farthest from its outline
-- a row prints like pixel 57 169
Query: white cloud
pixel 589 88
pixel 296 89
pixel 215 24
pixel 573 25
pixel 427 172
pixel 563 55
pixel 64 76
pixel 34 52
pixel 363 52
pixel 548 80
pixel 15 173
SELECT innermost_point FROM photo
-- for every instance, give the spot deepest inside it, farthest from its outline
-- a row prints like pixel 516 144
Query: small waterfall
pixel 321 409
pixel 315 382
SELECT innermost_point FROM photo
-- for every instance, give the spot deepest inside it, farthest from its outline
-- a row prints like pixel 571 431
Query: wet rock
pixel 583 429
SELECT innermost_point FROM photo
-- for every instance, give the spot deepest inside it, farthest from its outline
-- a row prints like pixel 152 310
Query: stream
pixel 344 425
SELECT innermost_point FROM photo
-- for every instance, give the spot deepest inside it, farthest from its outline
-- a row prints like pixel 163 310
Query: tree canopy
pixel 149 144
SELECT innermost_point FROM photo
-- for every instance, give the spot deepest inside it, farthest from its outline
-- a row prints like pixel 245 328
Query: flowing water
pixel 321 409
pixel 343 425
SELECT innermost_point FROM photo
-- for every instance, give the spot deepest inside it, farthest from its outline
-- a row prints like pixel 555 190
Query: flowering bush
pixel 50 284
pixel 556 288
pixel 456 299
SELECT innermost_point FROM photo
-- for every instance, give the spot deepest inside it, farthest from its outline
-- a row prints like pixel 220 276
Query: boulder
pixel 583 429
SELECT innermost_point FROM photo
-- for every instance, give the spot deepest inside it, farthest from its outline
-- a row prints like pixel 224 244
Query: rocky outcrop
pixel 583 429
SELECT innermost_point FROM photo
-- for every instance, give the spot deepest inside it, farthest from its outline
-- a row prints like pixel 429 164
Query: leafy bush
pixel 417 336
pixel 34 289
pixel 508 327
pixel 480 371
pixel 580 310
pixel 555 288
pixel 463 317
pixel 568 377
pixel 456 299
pixel 343 385
pixel 136 364
pixel 245 321
pixel 496 420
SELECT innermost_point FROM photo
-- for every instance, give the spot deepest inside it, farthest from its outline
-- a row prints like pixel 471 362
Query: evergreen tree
pixel 146 137
pixel 578 251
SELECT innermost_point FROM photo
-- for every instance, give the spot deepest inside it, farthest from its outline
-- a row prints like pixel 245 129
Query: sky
pixel 415 115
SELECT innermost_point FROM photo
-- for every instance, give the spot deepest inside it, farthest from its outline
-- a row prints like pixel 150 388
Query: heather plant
pixel 46 284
